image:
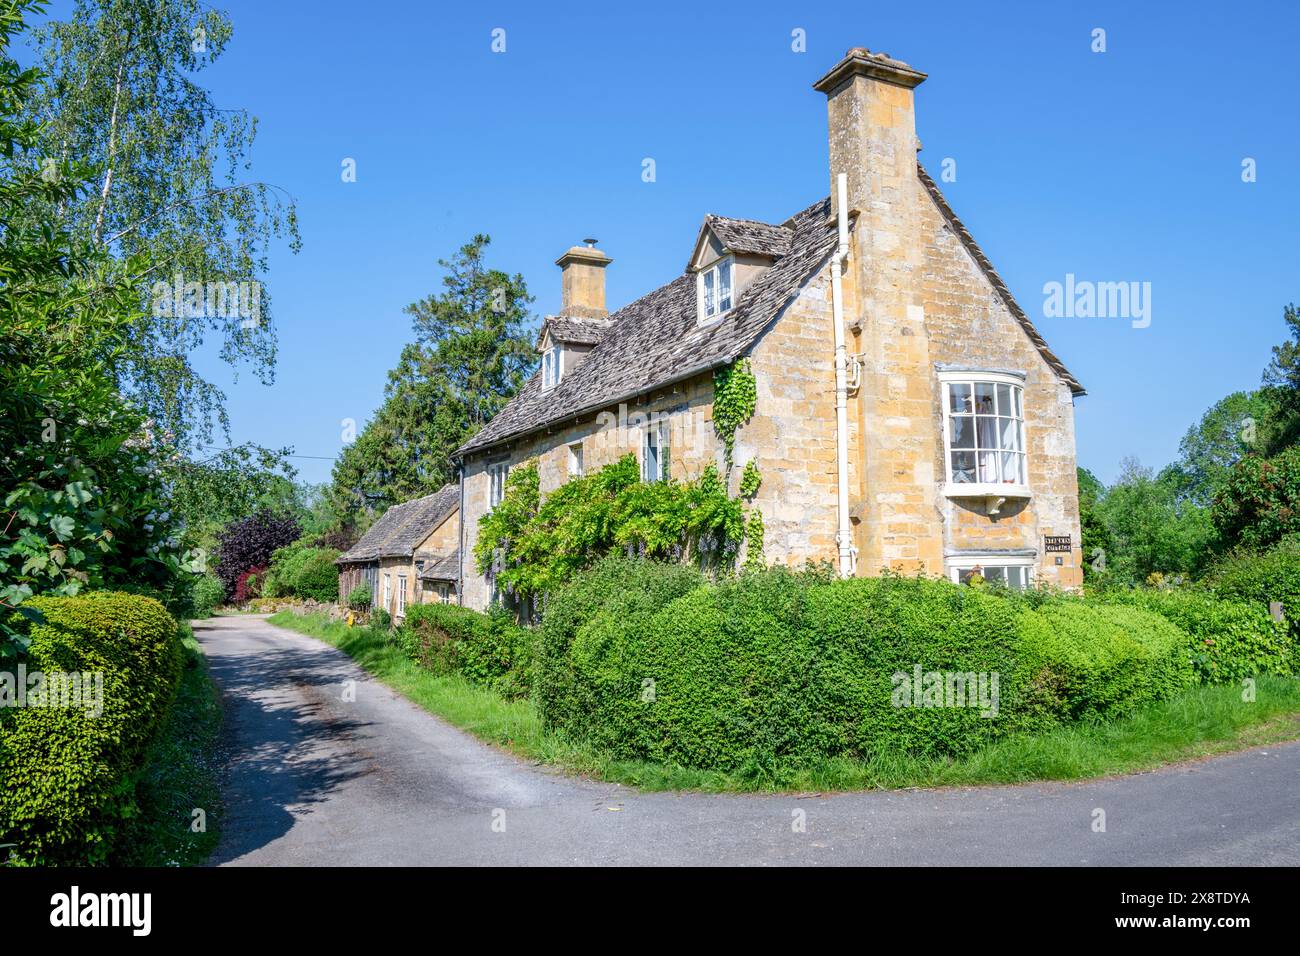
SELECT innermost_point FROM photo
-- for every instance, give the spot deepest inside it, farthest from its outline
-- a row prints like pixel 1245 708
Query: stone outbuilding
pixel 407 555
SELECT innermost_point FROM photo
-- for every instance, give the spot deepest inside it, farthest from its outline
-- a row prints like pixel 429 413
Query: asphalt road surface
pixel 314 779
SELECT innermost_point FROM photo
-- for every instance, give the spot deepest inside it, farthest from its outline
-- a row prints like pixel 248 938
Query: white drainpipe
pixel 844 536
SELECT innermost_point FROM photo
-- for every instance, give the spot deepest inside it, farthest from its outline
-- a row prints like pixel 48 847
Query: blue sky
pixel 1116 166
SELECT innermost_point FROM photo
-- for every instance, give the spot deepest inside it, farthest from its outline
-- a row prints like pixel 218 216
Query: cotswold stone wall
pixel 791 437
pixel 685 409
pixel 951 316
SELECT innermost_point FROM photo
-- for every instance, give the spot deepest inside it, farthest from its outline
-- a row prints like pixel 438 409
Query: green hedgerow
pixel 68 774
pixel 776 668
pixel 1227 640
pixel 1261 579
pixel 1098 661
pixel 489 649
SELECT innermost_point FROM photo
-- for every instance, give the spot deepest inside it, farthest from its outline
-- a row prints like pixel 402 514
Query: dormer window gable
pixel 730 254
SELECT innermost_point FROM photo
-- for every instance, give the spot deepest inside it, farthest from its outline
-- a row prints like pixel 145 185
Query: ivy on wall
pixel 754 530
pixel 735 395
pixel 528 547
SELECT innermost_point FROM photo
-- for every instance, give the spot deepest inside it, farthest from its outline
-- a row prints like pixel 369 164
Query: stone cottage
pixel 909 415
pixel 409 555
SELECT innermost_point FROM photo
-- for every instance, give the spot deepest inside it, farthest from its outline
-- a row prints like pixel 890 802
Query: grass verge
pixel 1200 723
pixel 179 775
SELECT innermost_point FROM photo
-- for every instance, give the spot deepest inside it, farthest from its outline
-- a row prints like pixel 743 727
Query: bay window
pixel 984 432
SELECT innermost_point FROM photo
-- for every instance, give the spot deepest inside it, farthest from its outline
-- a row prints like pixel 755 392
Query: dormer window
pixel 551 367
pixel 715 284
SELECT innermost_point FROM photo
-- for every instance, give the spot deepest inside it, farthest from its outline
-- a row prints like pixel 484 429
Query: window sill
pixel 994 495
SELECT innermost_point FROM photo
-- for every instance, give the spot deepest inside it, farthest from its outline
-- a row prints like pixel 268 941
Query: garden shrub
pixel 614 585
pixel 360 598
pixel 248 585
pixel 488 649
pixel 208 593
pixel 301 571
pixel 778 668
pixel 1227 639
pixel 68 776
pixel 248 544
pixel 1098 661
pixel 381 620
pixel 1262 578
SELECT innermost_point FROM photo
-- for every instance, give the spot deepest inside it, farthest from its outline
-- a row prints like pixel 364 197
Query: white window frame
pixel 971 378
pixel 401 595
pixel 710 280
pixel 497 472
pixel 954 565
pixel 576 464
pixel 388 592
pixel 657 436
pixel 552 367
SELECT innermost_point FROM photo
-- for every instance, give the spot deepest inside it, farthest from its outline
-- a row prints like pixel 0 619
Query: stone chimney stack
pixel 873 142
pixel 582 281
pixel 872 127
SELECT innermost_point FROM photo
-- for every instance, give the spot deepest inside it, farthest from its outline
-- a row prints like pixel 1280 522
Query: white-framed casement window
pixel 715 289
pixel 388 591
pixel 575 460
pixel 401 595
pixel 551 367
pixel 656 452
pixel 1013 571
pixel 497 472
pixel 984 432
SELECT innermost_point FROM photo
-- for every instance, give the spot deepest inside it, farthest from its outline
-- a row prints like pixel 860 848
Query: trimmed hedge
pixel 776 668
pixel 1101 661
pixel 1227 640
pixel 69 785
pixel 613 588
pixel 488 649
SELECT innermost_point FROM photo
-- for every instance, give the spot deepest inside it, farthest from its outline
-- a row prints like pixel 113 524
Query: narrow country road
pixel 316 780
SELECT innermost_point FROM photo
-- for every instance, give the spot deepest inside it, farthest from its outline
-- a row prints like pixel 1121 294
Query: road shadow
pixel 284 747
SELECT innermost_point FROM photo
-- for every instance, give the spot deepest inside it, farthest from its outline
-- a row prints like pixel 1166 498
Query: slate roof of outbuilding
pixel 442 567
pixel 402 527
pixel 656 340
